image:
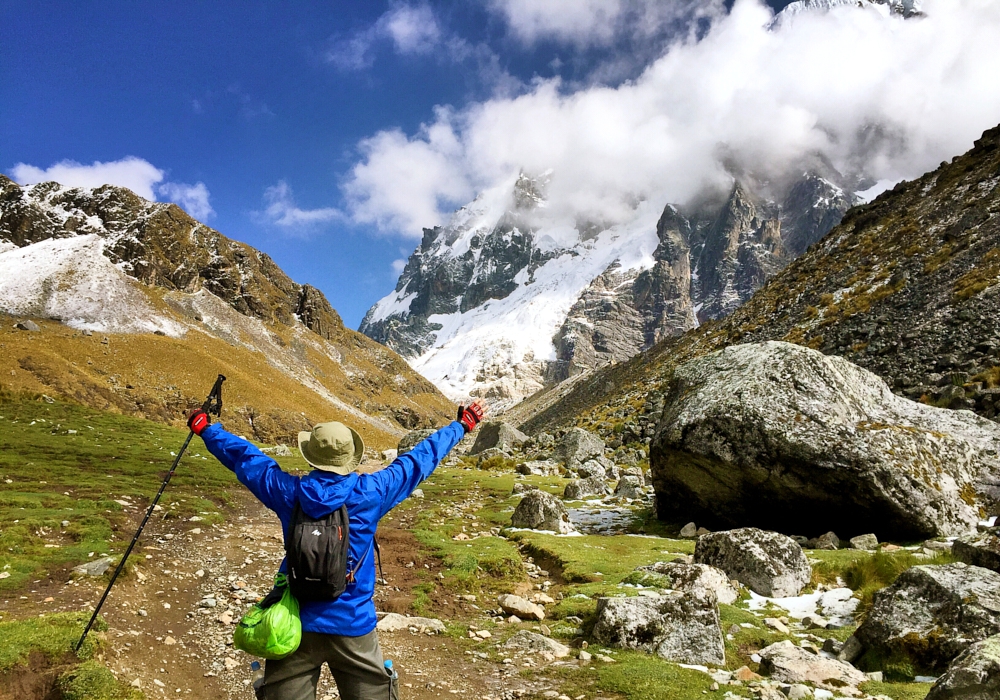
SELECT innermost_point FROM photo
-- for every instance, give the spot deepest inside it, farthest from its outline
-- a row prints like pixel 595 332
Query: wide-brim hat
pixel 332 447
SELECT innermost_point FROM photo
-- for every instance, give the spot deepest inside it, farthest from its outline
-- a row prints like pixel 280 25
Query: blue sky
pixel 326 134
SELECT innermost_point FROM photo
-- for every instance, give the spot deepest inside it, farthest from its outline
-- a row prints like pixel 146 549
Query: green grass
pixel 898 691
pixel 92 681
pixel 63 462
pixel 601 558
pixel 868 575
pixel 53 636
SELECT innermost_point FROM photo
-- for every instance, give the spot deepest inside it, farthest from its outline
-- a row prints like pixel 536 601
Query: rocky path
pixel 171 621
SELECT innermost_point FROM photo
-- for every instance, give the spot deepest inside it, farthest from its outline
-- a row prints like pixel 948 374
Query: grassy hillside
pixel 158 377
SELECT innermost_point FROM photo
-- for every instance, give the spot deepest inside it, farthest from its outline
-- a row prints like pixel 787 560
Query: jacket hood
pixel 320 493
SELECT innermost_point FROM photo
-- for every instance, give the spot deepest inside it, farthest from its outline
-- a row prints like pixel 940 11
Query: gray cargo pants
pixel 355 662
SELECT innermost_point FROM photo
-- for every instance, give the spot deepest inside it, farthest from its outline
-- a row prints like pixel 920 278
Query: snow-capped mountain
pixel 163 285
pixel 902 8
pixel 499 301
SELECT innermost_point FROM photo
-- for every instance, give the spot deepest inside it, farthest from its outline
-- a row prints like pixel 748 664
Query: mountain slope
pixel 152 304
pixel 907 286
pixel 505 300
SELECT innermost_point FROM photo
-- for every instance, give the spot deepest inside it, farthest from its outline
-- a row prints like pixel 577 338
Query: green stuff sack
pixel 272 628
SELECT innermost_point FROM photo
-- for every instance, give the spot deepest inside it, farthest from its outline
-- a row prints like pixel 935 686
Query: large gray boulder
pixel 931 614
pixel 534 643
pixel 540 510
pixel 584 488
pixel 687 577
pixel 783 437
pixel 787 663
pixel 597 466
pixel 982 549
pixel 494 433
pixel 410 440
pixel 768 563
pixel 577 446
pixel 629 487
pixel 682 627
pixel 973 675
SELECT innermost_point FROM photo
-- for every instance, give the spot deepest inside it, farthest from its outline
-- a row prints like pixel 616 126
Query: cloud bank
pixel 876 94
pixel 137 174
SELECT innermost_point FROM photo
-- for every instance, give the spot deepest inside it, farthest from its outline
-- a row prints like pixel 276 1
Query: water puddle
pixel 601 521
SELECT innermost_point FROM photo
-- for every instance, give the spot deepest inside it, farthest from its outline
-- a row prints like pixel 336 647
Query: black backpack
pixel 317 552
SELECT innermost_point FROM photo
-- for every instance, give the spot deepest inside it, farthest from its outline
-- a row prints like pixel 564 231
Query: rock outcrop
pixel 982 549
pixel 973 675
pixel 540 510
pixel 682 627
pixel 695 578
pixel 592 486
pixel 768 563
pixel 784 437
pixel 629 487
pixel 497 434
pixel 930 615
pixel 410 440
pixel 577 446
pixel 787 663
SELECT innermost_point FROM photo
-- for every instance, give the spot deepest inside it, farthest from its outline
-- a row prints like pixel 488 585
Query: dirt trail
pixel 171 619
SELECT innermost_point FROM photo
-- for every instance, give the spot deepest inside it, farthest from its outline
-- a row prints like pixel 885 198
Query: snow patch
pixel 70 280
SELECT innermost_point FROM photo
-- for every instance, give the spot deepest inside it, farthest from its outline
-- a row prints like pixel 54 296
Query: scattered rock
pixel 868 543
pixel 394 622
pixel 689 531
pixel 231 664
pixel 788 663
pixel 931 614
pixel 94 568
pixel 411 439
pixel 521 487
pixel 829 541
pixel 577 446
pixel 982 549
pixel 585 656
pixel 777 625
pixel 169 641
pixel 525 641
pixel 973 675
pixel 545 467
pixel 695 578
pixel 768 563
pixel 784 437
pixel 540 510
pixel 598 467
pixel 524 609
pixel 494 433
pixel 389 455
pixel 629 487
pixel 582 488
pixel 636 472
pixel 682 626
pixel 27 325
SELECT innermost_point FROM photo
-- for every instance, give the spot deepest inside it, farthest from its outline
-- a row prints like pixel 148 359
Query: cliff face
pixel 907 286
pixel 105 261
pixel 501 301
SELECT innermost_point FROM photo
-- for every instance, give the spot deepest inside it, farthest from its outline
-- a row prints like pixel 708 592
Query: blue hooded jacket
pixel 368 498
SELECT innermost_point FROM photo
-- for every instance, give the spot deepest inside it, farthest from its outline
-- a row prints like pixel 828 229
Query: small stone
pixel 27 325
pixel 230 663
pixel 516 605
pixel 200 573
pixel 689 531
pixel 158 683
pixel 868 543
pixel 169 641
pixel 744 674
pixel 65 523
pixel 513 620
pixel 585 656
pixel 777 625
pixel 136 683
pixel 142 613
pixel 417 493
pixel 225 618
pixel 483 634
pixel 875 676
pixel 814 622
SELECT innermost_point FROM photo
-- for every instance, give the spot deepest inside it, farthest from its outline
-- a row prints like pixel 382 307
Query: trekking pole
pixel 213 404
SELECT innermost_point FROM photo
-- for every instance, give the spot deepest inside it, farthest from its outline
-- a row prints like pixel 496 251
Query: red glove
pixel 197 420
pixel 471 416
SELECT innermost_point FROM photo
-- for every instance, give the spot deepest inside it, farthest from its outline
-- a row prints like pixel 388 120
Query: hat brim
pixel 317 463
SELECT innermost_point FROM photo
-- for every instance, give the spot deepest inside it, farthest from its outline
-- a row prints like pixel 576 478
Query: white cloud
pixel 397 266
pixel 875 94
pixel 596 22
pixel 137 174
pixel 282 211
pixel 192 198
pixel 411 30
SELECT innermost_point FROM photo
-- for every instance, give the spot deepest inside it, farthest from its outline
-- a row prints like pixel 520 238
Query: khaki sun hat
pixel 332 447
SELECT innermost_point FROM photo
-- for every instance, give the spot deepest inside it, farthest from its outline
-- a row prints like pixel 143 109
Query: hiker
pixel 341 632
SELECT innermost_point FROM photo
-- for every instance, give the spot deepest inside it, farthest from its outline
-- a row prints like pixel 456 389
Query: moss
pixel 983 276
pixel 968 494
pixel 92 681
pixel 897 691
